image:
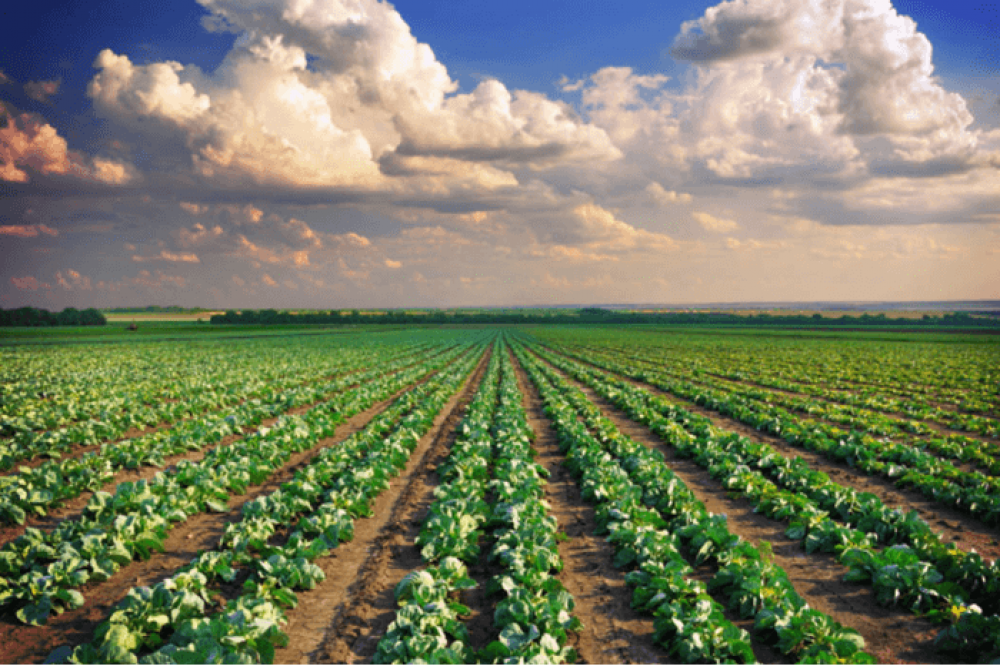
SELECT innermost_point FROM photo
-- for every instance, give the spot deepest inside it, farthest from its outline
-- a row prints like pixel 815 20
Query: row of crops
pixel 250 432
pixel 894 551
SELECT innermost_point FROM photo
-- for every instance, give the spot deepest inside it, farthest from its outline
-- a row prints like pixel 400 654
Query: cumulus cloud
pixel 193 208
pixel 28 145
pixel 716 224
pixel 843 69
pixel 493 124
pixel 331 94
pixel 664 197
pixel 199 235
pixel 29 283
pixel 41 91
pixel 598 228
pixel 153 281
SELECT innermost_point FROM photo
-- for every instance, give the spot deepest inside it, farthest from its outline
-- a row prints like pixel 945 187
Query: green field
pixel 188 493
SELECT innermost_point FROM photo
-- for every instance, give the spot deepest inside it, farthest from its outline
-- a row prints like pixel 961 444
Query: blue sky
pixel 316 153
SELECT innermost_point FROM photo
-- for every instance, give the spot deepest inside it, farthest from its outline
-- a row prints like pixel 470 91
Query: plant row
pixel 490 480
pixel 960 376
pixel 141 380
pixel 971 492
pixel 915 569
pixel 662 532
pixel 42 570
pixel 27 444
pixel 35 491
pixel 534 611
pixel 985 454
pixel 173 621
pixel 428 627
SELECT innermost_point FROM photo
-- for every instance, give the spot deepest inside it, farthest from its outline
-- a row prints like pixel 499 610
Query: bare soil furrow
pixel 955 526
pixel 343 618
pixel 26 644
pixel 612 631
pixel 892 635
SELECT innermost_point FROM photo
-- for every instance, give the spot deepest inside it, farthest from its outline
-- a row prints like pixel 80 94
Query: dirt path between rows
pixel 955 526
pixel 343 618
pixel 892 635
pixel 612 631
pixel 27 644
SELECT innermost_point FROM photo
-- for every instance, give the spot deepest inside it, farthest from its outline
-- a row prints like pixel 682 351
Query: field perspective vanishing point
pixel 467 494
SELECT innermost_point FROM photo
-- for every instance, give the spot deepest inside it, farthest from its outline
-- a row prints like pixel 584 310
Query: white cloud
pixel 716 224
pixel 368 95
pixel 850 68
pixel 598 228
pixel 493 124
pixel 665 197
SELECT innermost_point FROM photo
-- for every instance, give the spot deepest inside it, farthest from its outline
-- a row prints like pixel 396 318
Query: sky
pixel 447 153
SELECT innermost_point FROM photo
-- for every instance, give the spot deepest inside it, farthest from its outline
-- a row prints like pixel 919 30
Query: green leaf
pixel 36 614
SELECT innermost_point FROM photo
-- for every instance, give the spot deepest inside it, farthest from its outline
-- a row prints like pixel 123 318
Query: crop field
pixel 561 494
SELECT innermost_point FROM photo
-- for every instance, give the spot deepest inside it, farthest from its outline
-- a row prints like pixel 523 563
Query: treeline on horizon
pixel 40 317
pixel 597 316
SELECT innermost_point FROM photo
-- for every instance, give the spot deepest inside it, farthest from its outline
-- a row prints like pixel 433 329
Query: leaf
pixel 216 505
pixel 36 614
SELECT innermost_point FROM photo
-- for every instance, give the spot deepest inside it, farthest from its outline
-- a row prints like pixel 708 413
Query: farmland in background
pixel 613 494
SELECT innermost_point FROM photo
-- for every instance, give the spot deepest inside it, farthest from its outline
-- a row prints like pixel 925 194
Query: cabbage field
pixel 560 494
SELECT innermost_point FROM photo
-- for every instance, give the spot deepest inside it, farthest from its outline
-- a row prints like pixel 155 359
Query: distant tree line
pixel 598 316
pixel 41 317
pixel 155 309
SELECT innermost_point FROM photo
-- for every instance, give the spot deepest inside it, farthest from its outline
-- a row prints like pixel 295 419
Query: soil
pixel 891 635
